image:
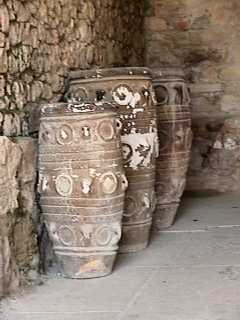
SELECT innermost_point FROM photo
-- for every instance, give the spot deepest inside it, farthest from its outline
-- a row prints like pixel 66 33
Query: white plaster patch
pixel 125 97
pixel 230 144
pixel 86 185
pixel 136 110
pixel 135 99
pixel 143 147
pixel 122 95
pixel 45 184
pixel 218 145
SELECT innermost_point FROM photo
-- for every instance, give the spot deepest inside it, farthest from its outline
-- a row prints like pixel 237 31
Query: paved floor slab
pixel 60 316
pixel 190 272
pixel 163 250
pixel 200 211
pixel 190 294
pixel 212 248
pixel 110 294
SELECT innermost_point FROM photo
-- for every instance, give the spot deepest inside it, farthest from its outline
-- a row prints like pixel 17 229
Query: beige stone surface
pixel 41 40
pixel 203 36
pixel 17 199
pixel 190 272
pixel 215 161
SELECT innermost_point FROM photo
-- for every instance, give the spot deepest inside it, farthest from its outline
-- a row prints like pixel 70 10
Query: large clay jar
pixel 81 185
pixel 131 90
pixel 175 138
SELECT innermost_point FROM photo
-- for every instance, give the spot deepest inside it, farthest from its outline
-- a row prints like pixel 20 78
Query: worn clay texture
pixel 82 186
pixel 18 246
pixel 175 140
pixel 203 36
pixel 131 91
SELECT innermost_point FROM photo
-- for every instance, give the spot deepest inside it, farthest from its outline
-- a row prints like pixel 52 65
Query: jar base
pixel 77 266
pixel 135 237
pixel 164 216
pixel 133 248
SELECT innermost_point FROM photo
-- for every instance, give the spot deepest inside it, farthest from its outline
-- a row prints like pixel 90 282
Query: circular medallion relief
pixel 131 207
pixel 122 95
pixel 106 130
pixel 161 94
pixel 163 188
pixel 64 134
pixel 108 183
pixel 103 235
pixel 77 95
pixel 64 185
pixel 66 235
pixel 127 152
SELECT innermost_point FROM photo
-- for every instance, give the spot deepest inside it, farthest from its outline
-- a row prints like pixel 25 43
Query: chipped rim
pixel 168 72
pixel 77 109
pixel 99 73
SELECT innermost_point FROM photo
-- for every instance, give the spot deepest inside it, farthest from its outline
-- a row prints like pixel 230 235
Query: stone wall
pixel 203 36
pixel 40 41
pixel 18 240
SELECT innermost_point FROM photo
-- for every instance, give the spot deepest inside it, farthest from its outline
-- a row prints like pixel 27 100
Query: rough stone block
pixel 230 103
pixel 18 246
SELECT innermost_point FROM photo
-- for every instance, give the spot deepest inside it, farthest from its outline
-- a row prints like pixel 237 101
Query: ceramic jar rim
pixel 168 72
pixel 80 108
pixel 110 72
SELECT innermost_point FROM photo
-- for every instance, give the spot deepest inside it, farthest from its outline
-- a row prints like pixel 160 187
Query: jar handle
pixel 124 182
pixel 119 125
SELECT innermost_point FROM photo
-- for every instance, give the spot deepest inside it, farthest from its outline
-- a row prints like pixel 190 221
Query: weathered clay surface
pixel 18 247
pixel 82 184
pixel 175 138
pixel 131 90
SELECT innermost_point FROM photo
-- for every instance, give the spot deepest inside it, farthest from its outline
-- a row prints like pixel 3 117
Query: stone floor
pixel 191 272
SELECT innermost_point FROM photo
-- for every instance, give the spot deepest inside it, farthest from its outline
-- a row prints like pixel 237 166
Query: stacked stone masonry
pixel 18 242
pixel 40 41
pixel 203 36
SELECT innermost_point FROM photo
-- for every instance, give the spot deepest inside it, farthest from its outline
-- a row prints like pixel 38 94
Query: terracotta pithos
pixel 82 185
pixel 175 138
pixel 131 90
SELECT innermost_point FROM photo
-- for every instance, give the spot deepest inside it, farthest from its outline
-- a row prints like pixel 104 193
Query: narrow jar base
pixel 164 216
pixel 86 266
pixel 135 237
